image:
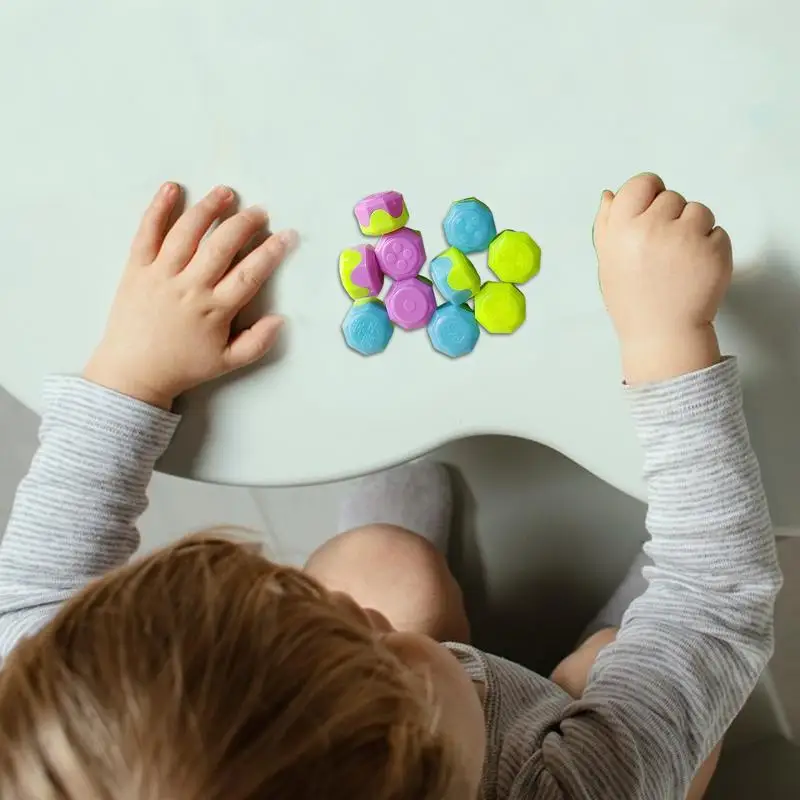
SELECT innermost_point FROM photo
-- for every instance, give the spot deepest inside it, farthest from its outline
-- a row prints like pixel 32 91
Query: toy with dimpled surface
pixel 381 213
pixel 453 330
pixel 411 303
pixel 359 271
pixel 514 257
pixel 401 254
pixel 469 225
pixel 367 328
pixel 454 276
pixel 500 307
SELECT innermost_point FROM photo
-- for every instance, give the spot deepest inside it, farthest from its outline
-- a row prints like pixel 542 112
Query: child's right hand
pixel 664 268
pixel 170 326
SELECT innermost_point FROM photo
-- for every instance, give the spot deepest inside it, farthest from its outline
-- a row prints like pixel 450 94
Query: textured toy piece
pixel 469 225
pixel 411 303
pixel 453 330
pixel 454 276
pixel 359 271
pixel 499 307
pixel 367 328
pixel 381 213
pixel 401 254
pixel 514 257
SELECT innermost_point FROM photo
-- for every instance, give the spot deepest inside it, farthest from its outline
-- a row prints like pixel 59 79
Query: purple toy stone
pixel 411 303
pixel 401 254
pixel 367 274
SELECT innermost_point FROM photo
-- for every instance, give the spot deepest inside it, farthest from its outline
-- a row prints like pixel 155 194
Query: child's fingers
pixel 638 194
pixel 699 216
pixel 153 227
pixel 242 283
pixel 668 204
pixel 214 256
pixel 253 343
pixel 601 218
pixel 183 239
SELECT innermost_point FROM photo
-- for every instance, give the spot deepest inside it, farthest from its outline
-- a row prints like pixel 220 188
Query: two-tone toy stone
pixel 381 213
pixel 454 276
pixel 359 271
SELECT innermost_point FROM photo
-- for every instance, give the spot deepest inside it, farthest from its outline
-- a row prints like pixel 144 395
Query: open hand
pixel 170 325
pixel 664 268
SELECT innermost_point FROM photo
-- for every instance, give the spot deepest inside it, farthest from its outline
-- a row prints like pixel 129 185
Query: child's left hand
pixel 170 325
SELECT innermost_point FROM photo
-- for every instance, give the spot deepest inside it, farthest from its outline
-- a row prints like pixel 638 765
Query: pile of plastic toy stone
pixel 498 306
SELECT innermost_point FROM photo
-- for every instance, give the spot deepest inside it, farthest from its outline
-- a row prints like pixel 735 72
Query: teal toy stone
pixel 469 225
pixel 453 330
pixel 454 276
pixel 367 328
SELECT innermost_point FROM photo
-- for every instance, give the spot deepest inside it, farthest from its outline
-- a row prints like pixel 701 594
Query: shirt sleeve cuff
pixel 105 417
pixel 716 390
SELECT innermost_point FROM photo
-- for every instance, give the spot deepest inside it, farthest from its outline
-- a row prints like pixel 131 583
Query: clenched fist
pixel 664 267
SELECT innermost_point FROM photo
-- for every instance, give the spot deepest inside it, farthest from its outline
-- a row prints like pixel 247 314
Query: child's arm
pixel 75 513
pixel 691 649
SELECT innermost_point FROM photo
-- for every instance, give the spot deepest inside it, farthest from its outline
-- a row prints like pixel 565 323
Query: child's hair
pixel 206 671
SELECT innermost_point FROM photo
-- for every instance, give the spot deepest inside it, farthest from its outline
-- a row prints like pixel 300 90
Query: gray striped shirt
pixel 689 652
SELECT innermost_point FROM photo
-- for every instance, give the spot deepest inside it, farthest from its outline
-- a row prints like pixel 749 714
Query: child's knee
pixel 376 549
pixel 397 573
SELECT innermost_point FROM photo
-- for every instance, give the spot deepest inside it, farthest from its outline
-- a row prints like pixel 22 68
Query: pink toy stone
pixel 381 213
pixel 411 303
pixel 401 254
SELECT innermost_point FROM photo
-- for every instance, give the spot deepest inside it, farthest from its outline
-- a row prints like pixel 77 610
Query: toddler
pixel 206 672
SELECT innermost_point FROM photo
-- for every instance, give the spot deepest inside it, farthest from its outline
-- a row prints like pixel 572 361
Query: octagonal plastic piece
pixel 367 328
pixel 499 307
pixel 359 271
pixel 411 303
pixel 381 213
pixel 514 257
pixel 401 254
pixel 454 276
pixel 453 330
pixel 469 225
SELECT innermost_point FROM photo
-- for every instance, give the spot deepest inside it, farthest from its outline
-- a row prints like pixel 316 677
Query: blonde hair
pixel 206 671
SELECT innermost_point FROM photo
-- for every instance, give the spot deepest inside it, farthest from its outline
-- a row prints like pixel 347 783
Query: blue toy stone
pixel 367 328
pixel 453 330
pixel 469 225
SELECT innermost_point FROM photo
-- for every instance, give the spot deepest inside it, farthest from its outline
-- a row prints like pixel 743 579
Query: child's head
pixel 206 671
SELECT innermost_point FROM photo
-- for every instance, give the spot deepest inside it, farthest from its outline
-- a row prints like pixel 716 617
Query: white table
pixel 308 105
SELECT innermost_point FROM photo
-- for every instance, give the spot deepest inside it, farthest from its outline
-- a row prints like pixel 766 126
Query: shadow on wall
pixel 763 306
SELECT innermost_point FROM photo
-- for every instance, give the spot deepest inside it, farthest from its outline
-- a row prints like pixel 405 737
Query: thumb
pixel 253 343
pixel 601 218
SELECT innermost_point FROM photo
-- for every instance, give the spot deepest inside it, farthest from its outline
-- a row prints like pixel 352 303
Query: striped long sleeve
pixel 74 515
pixel 692 648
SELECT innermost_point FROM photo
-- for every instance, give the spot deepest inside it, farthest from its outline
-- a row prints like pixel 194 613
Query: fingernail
pixel 168 189
pixel 223 192
pixel 256 211
pixel 288 238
